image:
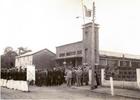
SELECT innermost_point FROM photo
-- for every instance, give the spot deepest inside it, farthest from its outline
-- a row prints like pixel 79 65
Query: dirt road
pixel 56 93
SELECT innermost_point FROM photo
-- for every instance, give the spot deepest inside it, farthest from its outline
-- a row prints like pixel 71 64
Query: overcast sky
pixel 39 24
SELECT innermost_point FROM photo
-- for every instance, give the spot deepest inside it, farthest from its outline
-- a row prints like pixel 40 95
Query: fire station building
pixel 77 53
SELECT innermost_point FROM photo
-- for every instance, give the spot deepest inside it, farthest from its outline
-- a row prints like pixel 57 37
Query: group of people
pixel 79 76
pixel 13 74
pixel 51 77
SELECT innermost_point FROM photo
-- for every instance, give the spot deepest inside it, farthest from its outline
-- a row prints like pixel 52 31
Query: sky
pixel 39 24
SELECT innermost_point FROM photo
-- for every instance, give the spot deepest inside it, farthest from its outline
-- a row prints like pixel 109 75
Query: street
pixel 57 93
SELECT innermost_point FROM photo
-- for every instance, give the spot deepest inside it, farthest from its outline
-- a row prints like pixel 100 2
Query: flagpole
pixel 83 12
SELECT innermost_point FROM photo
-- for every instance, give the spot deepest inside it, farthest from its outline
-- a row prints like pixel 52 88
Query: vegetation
pixel 9 56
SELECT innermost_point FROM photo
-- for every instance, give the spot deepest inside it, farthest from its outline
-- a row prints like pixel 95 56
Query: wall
pixel 73 47
pixel 89 39
pixel 23 61
pixel 44 59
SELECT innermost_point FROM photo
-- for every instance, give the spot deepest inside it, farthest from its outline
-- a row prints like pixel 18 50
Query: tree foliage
pixel 8 58
pixel 8 49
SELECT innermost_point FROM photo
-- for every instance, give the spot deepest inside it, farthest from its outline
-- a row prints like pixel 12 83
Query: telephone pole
pixel 93 80
pixel 91 45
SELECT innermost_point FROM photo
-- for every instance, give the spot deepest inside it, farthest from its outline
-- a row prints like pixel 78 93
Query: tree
pixel 8 58
pixel 8 49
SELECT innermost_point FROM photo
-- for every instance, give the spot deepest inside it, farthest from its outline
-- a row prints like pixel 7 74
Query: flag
pixel 87 12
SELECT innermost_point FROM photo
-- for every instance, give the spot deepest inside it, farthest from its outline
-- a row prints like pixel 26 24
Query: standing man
pixel 69 77
pixel 78 76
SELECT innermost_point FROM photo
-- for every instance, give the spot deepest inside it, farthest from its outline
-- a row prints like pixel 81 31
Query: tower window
pixel 86 54
pixel 86 33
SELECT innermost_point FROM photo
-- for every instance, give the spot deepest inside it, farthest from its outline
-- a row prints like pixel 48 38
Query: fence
pixel 123 74
pixel 125 83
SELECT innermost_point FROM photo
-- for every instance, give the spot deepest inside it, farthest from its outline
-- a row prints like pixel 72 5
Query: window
pixel 103 62
pixel 124 63
pixel 79 52
pixel 61 54
pixel 70 53
pixel 86 34
pixel 112 62
pixel 135 64
pixel 86 55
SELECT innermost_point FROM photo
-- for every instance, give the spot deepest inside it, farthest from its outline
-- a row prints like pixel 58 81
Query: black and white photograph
pixel 69 49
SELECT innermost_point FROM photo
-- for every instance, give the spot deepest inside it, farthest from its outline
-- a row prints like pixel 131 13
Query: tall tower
pixel 91 45
pixel 88 41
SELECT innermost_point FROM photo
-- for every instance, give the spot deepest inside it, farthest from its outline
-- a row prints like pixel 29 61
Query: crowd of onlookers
pixel 51 77
pixel 70 75
pixel 13 74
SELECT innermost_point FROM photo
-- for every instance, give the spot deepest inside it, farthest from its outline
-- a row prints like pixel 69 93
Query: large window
pixel 124 63
pixel 70 53
pixel 61 54
pixel 135 64
pixel 79 52
pixel 112 62
pixel 103 62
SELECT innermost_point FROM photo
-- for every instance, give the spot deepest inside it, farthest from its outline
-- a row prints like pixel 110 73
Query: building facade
pixel 77 53
pixel 43 59
pixel 69 53
pixel 72 54
pixel 87 52
pixel 90 43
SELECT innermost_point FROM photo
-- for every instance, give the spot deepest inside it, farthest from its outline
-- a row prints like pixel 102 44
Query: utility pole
pixel 93 80
pixel 90 45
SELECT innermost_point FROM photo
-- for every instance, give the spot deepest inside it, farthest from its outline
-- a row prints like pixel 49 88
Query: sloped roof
pixel 118 54
pixel 34 52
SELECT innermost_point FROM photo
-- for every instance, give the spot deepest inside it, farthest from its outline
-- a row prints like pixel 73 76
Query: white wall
pixel 23 61
pixel 138 77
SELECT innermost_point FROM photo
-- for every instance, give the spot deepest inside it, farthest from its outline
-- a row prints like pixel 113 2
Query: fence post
pixel 111 86
pixel 90 72
pixel 138 77
pixel 102 75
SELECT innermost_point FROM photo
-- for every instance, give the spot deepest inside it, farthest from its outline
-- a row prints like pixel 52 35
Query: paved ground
pixel 58 93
